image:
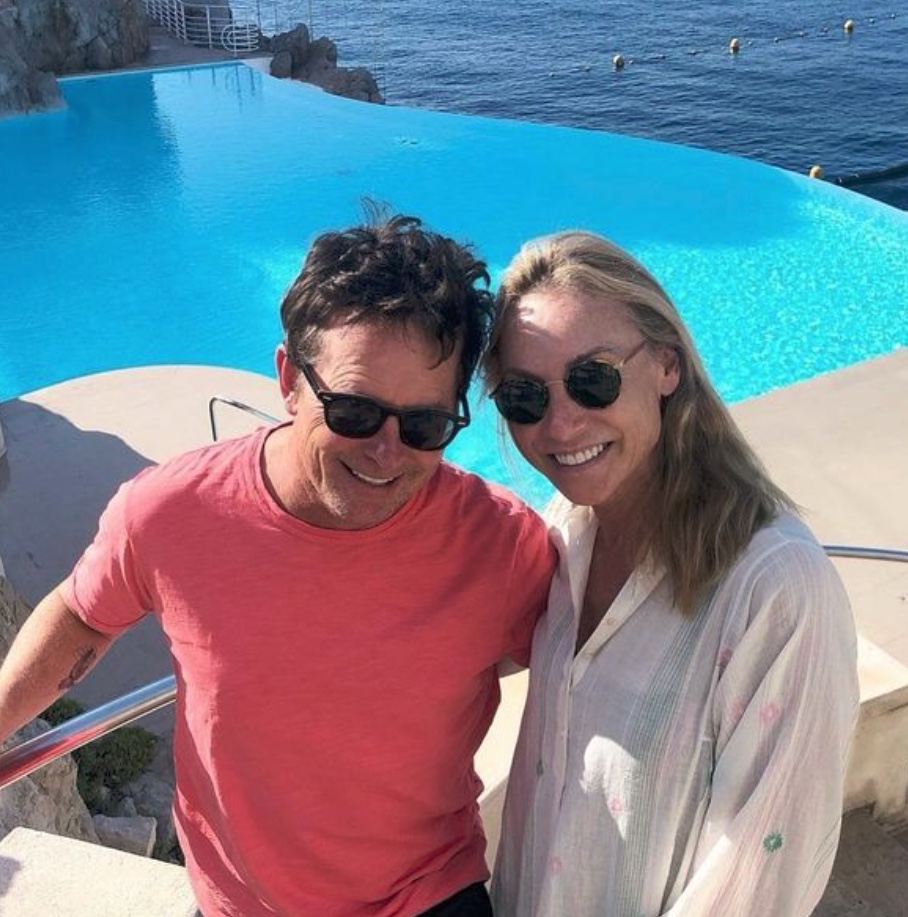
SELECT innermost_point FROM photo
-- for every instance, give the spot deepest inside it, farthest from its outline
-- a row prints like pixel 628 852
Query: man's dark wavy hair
pixel 396 273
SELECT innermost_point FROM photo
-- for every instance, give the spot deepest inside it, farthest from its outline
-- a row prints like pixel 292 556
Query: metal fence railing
pixel 237 27
pixel 205 25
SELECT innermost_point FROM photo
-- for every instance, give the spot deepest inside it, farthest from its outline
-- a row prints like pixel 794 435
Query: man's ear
pixel 288 377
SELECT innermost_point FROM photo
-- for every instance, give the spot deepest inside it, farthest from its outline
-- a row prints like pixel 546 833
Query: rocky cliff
pixel 298 57
pixel 39 38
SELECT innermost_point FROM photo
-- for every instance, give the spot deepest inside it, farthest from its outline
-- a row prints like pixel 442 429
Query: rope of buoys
pixel 736 44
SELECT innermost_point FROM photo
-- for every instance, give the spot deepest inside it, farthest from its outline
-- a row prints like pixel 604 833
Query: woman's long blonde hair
pixel 714 493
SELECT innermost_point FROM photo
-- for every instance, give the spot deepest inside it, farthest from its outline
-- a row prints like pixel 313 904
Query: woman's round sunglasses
pixel 592 383
pixel 359 417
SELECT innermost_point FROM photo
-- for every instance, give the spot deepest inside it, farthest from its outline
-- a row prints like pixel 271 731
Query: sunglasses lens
pixel 427 430
pixel 594 384
pixel 521 400
pixel 350 415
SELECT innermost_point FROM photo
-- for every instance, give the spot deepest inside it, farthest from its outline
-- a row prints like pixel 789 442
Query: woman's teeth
pixel 579 458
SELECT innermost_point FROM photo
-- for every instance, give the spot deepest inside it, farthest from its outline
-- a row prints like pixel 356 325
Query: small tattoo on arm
pixel 85 661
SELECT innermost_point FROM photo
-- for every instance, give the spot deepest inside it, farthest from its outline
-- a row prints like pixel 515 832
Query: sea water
pixel 801 91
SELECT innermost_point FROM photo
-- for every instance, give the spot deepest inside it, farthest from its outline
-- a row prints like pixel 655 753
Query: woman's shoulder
pixel 784 543
pixel 786 568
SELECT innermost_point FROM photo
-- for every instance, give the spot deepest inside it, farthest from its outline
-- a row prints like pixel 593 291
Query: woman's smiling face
pixel 594 456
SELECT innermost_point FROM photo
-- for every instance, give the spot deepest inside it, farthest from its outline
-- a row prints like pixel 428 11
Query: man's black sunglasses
pixel 359 417
pixel 592 383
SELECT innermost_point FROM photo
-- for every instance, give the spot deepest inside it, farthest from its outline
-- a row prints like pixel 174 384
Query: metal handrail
pixel 240 405
pixel 861 553
pixel 28 756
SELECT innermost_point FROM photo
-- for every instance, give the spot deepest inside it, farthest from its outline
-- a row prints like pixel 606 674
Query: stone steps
pixel 870 875
pixel 42 875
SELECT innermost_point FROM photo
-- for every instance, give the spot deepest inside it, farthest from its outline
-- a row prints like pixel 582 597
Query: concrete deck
pixel 839 445
pixel 166 50
pixel 42 875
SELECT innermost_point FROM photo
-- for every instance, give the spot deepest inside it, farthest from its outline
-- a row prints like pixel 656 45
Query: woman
pixel 693 683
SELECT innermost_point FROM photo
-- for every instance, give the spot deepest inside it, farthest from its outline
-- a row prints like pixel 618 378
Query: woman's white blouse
pixel 689 766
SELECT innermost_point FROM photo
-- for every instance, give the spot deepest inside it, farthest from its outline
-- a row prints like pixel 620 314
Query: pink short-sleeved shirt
pixel 333 686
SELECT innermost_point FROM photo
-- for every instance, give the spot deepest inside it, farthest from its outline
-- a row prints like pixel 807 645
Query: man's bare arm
pixel 53 651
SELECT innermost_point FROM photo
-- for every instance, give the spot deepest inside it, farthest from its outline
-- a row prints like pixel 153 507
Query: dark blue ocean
pixel 800 91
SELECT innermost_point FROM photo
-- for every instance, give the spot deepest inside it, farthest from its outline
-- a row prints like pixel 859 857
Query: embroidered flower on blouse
pixel 773 842
pixel 769 712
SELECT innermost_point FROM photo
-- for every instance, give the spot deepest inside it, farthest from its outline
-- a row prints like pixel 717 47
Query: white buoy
pixel 849 26
pixel 734 46
pixel 618 62
pixel 816 172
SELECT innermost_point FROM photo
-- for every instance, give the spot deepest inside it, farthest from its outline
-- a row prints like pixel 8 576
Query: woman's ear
pixel 670 361
pixel 288 377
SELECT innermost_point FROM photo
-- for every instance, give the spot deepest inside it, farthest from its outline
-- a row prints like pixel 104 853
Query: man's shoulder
pixel 482 496
pixel 208 466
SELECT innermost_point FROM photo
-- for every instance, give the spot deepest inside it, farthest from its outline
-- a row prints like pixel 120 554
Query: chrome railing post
pixel 240 405
pixel 28 756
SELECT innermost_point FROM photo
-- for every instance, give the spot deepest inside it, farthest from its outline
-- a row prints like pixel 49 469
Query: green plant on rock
pixel 108 763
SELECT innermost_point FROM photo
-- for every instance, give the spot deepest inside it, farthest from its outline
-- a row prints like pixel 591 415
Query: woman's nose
pixel 563 415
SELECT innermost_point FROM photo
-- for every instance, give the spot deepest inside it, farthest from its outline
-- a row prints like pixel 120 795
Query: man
pixel 335 597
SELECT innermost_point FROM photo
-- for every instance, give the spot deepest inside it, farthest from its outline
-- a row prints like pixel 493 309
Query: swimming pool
pixel 159 218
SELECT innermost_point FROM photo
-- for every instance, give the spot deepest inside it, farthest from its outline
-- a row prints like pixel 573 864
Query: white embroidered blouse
pixel 687 766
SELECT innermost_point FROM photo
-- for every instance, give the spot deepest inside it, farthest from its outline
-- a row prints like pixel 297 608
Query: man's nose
pixel 384 446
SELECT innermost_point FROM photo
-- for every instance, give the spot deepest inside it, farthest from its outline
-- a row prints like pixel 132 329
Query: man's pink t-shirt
pixel 333 686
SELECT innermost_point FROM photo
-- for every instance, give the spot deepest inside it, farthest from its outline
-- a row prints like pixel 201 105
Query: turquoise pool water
pixel 159 218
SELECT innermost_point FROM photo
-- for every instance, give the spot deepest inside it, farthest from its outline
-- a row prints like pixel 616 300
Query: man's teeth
pixel 377 482
pixel 578 458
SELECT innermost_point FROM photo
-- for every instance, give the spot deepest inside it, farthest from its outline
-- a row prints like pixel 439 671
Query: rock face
pixel 133 833
pixel 296 56
pixel 70 36
pixel 46 800
pixel 22 87
pixel 151 795
pixel 41 37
